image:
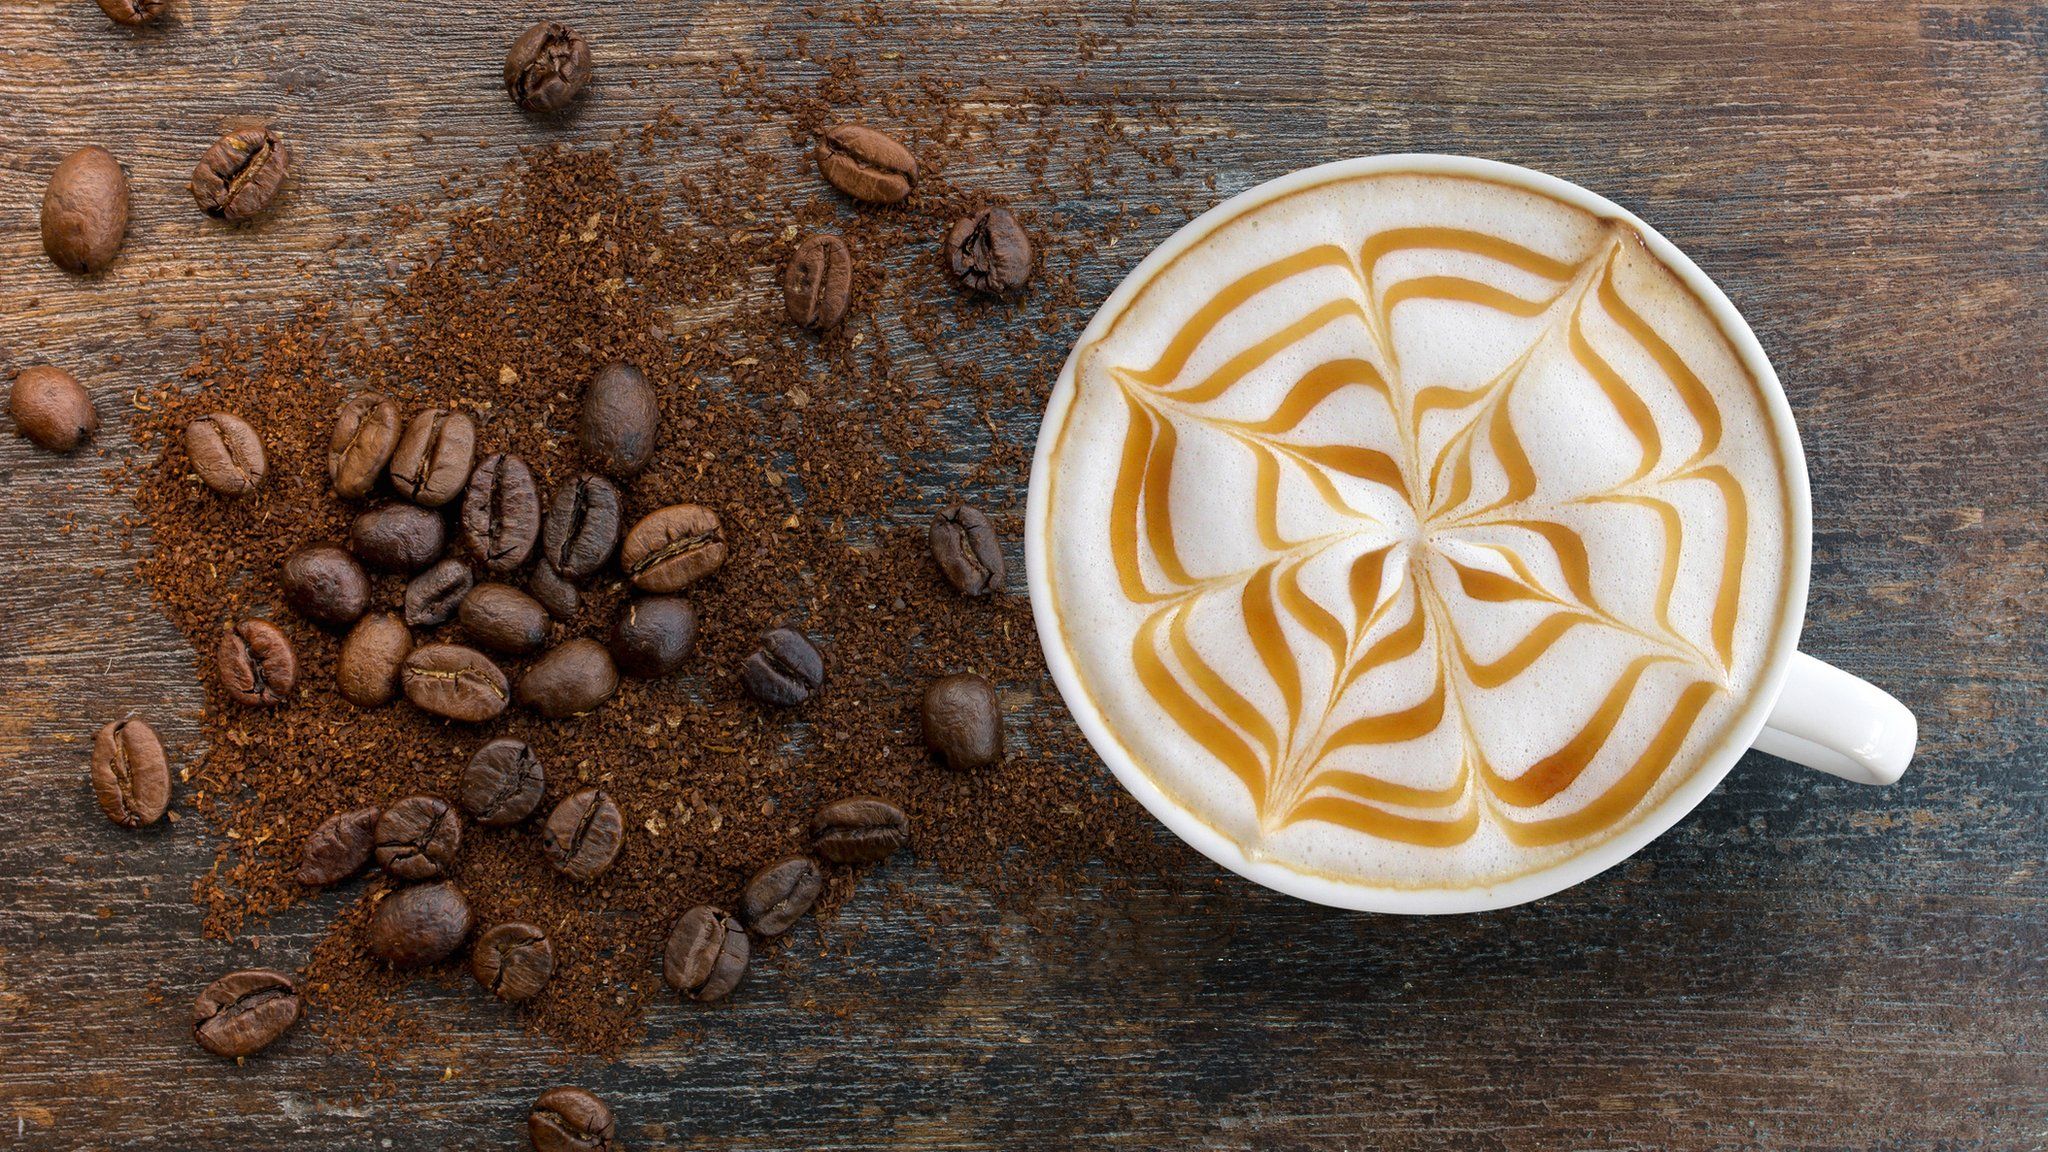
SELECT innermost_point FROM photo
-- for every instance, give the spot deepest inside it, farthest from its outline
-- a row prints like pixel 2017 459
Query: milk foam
pixel 1362 530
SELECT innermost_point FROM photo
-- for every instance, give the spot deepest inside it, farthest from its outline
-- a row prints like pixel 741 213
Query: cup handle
pixel 1830 720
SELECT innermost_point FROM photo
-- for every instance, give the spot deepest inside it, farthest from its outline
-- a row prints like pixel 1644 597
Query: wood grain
pixel 1800 964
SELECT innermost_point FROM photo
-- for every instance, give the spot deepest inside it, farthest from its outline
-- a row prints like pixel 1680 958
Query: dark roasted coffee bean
pixel 583 526
pixel 130 777
pixel 256 664
pixel 860 830
pixel 503 783
pixel 785 670
pixel 963 722
pixel 582 835
pixel 504 619
pixel 240 175
pixel 85 211
pixel 571 679
pixel 513 961
pixel 401 538
pixel 433 457
pixel 325 585
pixel 866 164
pixel 779 895
pixel 672 548
pixel 620 423
pixel 418 837
pixel 242 1013
pixel 420 924
pixel 227 453
pixel 51 408
pixel 706 955
pixel 988 252
pixel 965 545
pixel 376 648
pixel 454 682
pixel 134 13
pixel 570 1120
pixel 501 513
pixel 555 594
pixel 547 67
pixel 817 282
pixel 365 435
pixel 339 848
pixel 434 596
pixel 654 636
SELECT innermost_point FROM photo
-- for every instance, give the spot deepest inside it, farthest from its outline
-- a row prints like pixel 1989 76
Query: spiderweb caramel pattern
pixel 1476 535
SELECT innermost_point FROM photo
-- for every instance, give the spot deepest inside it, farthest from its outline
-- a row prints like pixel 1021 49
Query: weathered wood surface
pixel 1801 964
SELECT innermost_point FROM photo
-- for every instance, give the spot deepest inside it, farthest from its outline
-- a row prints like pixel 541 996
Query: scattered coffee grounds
pixel 807 446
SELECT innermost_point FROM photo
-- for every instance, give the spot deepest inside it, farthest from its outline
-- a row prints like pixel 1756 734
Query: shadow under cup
pixel 1216 592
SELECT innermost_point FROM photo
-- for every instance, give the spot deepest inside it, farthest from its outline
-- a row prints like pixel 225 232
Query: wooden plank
pixel 1800 964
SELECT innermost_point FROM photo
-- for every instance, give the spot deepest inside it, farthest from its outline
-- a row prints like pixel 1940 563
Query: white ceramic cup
pixel 1801 709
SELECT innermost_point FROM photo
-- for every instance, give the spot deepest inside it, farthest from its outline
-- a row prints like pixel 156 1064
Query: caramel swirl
pixel 1437 565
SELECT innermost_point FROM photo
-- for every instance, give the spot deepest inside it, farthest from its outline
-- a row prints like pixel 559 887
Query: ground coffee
pixel 807 446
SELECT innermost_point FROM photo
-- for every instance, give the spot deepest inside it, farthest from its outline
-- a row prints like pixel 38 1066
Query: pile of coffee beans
pixel 478 593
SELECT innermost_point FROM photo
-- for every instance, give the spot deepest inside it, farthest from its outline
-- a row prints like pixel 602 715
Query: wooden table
pixel 1802 963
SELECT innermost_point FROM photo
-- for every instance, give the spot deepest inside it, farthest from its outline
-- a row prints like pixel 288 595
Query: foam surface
pixel 1416 530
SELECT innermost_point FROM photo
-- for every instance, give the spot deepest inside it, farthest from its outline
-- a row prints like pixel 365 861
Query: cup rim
pixel 1742 730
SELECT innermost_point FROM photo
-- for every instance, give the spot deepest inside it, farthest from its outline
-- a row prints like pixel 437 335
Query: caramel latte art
pixel 1416 530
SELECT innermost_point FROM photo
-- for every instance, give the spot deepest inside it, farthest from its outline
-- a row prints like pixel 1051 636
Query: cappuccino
pixel 1416 530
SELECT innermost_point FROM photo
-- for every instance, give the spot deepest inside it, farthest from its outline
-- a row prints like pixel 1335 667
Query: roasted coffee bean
pixel 583 834
pixel 817 282
pixel 401 538
pixel 547 67
pixel 433 458
pixel 365 435
pixel 779 895
pixel 988 252
pixel 324 584
pixel 130 777
pixel 785 670
pixel 672 548
pixel 420 924
pixel 134 13
pixel 654 636
pixel 570 680
pixel 504 619
pixel 418 837
pixel 227 453
pixel 85 211
pixel 965 545
pixel 501 513
pixel 963 722
pixel 620 423
pixel 242 1013
pixel 503 783
pixel 256 664
pixel 706 955
pixel 866 164
pixel 434 596
pixel 51 408
pixel 555 594
pixel 583 525
pixel 454 682
pixel 570 1120
pixel 240 175
pixel 513 961
pixel 860 830
pixel 376 648
pixel 339 848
